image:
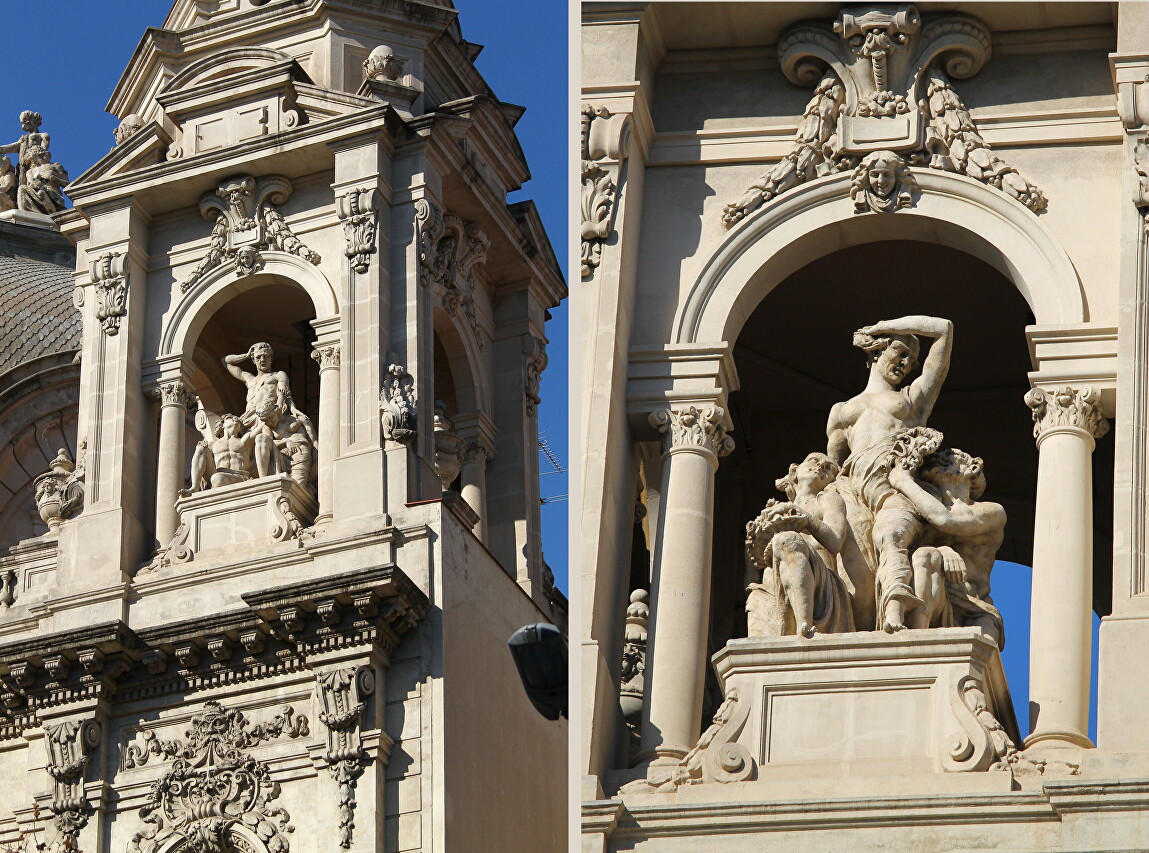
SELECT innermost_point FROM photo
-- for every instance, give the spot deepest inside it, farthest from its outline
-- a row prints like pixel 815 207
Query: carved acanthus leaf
pixel 326 356
pixel 535 362
pixel 340 693
pixel 246 221
pixel 1072 407
pixel 70 745
pixel 693 427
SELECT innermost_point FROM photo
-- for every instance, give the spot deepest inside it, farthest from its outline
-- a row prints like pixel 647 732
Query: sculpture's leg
pixel 202 467
pixel 929 585
pixel 797 577
pixel 264 455
pixel 894 531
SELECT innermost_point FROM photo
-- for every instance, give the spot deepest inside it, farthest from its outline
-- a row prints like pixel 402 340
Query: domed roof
pixel 37 317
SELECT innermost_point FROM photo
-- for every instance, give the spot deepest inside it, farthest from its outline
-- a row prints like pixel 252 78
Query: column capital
pixel 1076 408
pixel 326 356
pixel 173 393
pixel 688 427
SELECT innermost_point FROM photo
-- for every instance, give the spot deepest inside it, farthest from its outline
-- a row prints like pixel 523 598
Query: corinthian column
pixel 474 482
pixel 692 441
pixel 327 357
pixel 1066 423
pixel 174 399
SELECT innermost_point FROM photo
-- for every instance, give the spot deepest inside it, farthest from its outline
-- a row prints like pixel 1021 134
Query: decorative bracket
pixel 110 276
pixel 605 144
pixel 340 693
pixel 535 362
pixel 358 209
pixel 69 745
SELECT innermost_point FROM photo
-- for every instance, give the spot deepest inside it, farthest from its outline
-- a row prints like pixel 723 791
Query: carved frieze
pixel 397 405
pixel 690 426
pixel 340 693
pixel 1067 407
pixel 604 144
pixel 358 211
pixel 885 87
pixel 246 221
pixel 110 277
pixel 216 797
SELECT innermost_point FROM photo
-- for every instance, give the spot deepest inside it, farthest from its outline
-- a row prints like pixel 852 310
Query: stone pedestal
pixel 261 511
pixel 861 704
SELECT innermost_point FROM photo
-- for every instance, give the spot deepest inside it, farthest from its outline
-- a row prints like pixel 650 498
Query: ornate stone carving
pixel 340 693
pixel 60 491
pixel 692 427
pixel 882 183
pixel 632 678
pixel 983 744
pixel 535 362
pixel 245 222
pixel 69 745
pixel 478 451
pixel 127 128
pixel 429 225
pixel 326 356
pixel 448 447
pixel 882 88
pixel 1141 169
pixel 383 64
pixel 174 394
pixel 110 278
pixel 357 210
pixel 1068 407
pixel 37 187
pixel 216 798
pixel 605 140
pixel 397 405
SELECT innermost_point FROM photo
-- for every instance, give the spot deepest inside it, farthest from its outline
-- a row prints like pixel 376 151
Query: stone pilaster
pixel 693 440
pixel 1066 423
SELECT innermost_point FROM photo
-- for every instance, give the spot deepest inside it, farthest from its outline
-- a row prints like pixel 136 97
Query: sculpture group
pixel 271 436
pixel 35 183
pixel 886 530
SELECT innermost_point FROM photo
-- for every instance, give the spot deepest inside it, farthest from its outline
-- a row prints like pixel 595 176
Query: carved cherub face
pixel 883 178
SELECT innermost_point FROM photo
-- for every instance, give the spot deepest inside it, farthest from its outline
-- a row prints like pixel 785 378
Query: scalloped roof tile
pixel 36 312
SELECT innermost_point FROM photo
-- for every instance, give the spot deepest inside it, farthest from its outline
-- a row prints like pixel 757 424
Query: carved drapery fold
pixel 340 693
pixel 245 222
pixel 692 427
pixel 357 209
pixel 1067 407
pixel 884 86
pixel 110 277
pixel 605 140
pixel 397 405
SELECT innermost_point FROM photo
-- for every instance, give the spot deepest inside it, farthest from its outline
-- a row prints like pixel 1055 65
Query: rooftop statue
pixel 39 182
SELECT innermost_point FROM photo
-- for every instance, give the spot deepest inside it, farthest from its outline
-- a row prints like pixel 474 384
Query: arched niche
pixel 459 380
pixel 817 218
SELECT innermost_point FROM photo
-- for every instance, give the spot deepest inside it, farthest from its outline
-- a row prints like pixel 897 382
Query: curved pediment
pixel 233 61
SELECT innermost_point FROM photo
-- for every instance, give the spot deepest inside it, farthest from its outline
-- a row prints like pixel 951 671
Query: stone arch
pixel 224 63
pixel 184 323
pixel 464 358
pixel 818 218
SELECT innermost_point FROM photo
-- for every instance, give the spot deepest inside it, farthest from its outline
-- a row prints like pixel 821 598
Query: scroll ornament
pixel 358 211
pixel 882 88
pixel 69 745
pixel 536 360
pixel 450 251
pixel 690 426
pixel 340 693
pixel 605 142
pixel 1072 407
pixel 247 221
pixel 110 277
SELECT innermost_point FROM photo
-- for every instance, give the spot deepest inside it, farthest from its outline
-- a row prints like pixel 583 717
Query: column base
pixel 1058 752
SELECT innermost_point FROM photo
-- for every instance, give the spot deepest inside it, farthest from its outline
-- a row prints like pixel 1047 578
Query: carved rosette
pixel 1068 407
pixel 535 362
pixel 605 140
pixel 110 276
pixel 247 221
pixel 70 745
pixel 397 405
pixel 885 86
pixel 339 693
pixel 357 209
pixel 326 356
pixel 216 798
pixel 690 427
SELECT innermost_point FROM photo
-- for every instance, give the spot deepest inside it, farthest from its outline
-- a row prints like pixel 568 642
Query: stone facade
pixel 260 598
pixel 821 670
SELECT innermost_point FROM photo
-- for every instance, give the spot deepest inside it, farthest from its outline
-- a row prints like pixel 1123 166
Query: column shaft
pixel 174 400
pixel 328 359
pixel 474 488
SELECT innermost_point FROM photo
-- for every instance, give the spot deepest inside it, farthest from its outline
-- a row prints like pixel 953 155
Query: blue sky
pixel 67 73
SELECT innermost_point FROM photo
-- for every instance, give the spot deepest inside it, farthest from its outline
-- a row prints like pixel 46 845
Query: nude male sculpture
pixel 223 459
pixel 862 432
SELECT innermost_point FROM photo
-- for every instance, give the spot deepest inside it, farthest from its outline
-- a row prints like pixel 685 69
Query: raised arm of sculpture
pixel 923 392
